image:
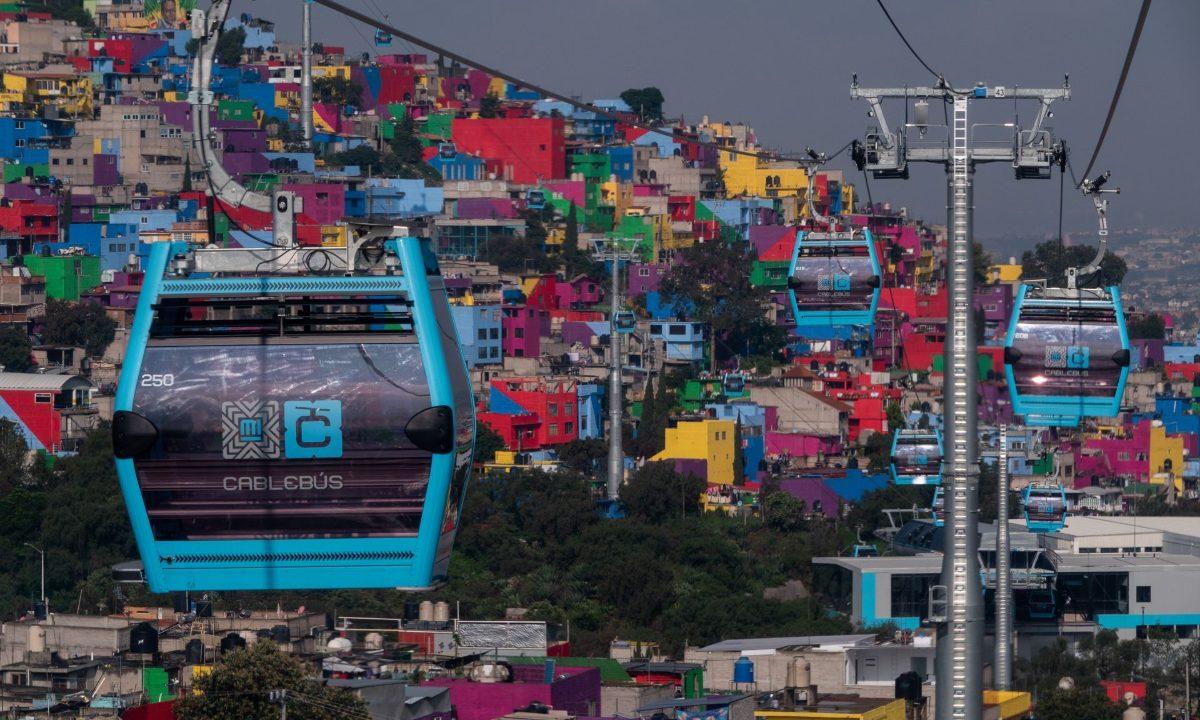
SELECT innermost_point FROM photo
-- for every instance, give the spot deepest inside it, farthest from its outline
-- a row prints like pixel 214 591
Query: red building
pixel 551 401
pixel 34 222
pixel 43 405
pixel 526 150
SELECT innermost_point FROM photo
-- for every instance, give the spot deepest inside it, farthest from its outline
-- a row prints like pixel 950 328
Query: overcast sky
pixel 784 67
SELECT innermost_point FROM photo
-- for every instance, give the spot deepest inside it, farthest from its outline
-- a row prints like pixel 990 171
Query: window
pixel 568 428
pixel 494 333
pixel 519 332
pixel 677 330
pixel 483 353
pixel 19 125
pixel 1123 456
pixel 643 272
pixel 42 398
pixel 495 352
pixel 53 161
pixel 70 161
pixel 482 334
pixel 1143 593
pixel 569 409
pixel 553 429
pixel 20 142
pixel 656 329
pixel 554 408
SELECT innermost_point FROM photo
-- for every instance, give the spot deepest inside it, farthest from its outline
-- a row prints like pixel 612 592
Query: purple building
pixel 995 302
pixel 814 493
pixel 644 278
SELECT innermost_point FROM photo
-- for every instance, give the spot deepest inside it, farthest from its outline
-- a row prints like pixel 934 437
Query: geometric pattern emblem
pixel 250 430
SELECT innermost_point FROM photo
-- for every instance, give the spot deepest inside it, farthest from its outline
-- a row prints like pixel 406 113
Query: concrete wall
pixel 625 699
pixel 68 635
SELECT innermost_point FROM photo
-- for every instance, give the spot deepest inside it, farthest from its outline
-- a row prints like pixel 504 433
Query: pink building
pixel 1127 456
pixel 520 331
pixel 577 293
pixel 325 203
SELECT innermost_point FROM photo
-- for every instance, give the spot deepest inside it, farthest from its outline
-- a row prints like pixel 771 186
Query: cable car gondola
pixel 1067 354
pixel 293 431
pixel 535 199
pixel 938 506
pixel 624 321
pixel 734 384
pixel 383 38
pixel 916 457
pixel 834 279
pixel 1067 351
pixel 1045 508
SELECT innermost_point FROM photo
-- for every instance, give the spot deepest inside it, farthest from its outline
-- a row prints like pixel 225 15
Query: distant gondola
pixel 834 279
pixel 916 457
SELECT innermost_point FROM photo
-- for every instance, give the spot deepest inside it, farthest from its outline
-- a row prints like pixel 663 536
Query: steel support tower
pixel 306 80
pixel 615 251
pixel 957 604
pixel 1002 666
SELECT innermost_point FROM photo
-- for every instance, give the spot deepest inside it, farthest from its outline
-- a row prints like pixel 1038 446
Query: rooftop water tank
pixel 373 641
pixel 743 670
pixel 425 611
pixel 441 612
pixel 37 639
pixel 339 644
pixel 193 652
pixel 143 638
pixel 232 643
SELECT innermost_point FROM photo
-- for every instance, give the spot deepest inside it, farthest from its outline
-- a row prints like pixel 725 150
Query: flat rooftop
pixel 777 643
pixel 1092 562
pixel 1098 525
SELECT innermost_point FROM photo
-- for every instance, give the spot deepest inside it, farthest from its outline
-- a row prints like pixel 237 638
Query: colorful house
pixel 710 441
pixel 552 401
pixel 46 408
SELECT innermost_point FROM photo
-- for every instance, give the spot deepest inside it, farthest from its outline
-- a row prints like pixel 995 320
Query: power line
pixel 1112 107
pixel 672 133
pixel 907 44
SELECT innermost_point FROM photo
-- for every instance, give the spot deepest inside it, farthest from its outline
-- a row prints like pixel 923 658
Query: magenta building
pixel 576 690
pixel 520 331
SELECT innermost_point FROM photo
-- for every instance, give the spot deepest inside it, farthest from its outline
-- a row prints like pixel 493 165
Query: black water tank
pixel 908 686
pixel 232 642
pixel 180 603
pixel 281 634
pixel 143 638
pixel 204 608
pixel 412 609
pixel 193 652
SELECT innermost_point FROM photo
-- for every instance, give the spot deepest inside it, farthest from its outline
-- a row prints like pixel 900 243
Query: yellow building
pixel 840 707
pixel 748 175
pixel 35 91
pixel 1166 457
pixel 708 440
pixel 1006 273
pixel 331 71
pixel 1006 704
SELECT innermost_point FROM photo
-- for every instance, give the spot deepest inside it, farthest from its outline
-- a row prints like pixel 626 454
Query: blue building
pixel 453 165
pixel 478 329
pixel 402 198
pixel 683 341
pixel 591 411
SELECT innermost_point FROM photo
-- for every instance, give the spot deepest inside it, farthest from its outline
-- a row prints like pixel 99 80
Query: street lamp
pixel 43 557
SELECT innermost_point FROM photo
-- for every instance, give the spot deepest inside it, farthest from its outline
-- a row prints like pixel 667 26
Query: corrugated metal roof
pixel 775 643
pixel 38 381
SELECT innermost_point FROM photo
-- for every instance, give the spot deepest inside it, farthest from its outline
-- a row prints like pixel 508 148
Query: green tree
pixel 14 456
pixel 405 159
pixel 647 102
pixel 490 106
pixel 711 284
pixel 583 456
pixel 84 324
pixel 1146 326
pixel 517 255
pixel 337 90
pixel 656 492
pixel 71 11
pixel 895 417
pixel 230 47
pixel 982 260
pixel 1050 260
pixel 1076 704
pixel 16 351
pixel 487 443
pixel 784 512
pixel 239 687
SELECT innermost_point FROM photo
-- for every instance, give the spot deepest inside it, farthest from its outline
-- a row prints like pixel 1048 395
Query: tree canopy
pixel 230 47
pixel 712 285
pixel 15 349
pixel 1050 260
pixel 84 324
pixel 337 90
pixel 647 102
pixel 240 685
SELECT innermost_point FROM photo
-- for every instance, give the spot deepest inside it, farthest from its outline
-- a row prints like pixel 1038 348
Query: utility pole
pixel 280 697
pixel 306 79
pixel 42 554
pixel 614 251
pixel 1002 667
pixel 887 153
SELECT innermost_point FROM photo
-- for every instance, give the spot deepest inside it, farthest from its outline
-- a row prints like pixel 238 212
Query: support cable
pixel 672 133
pixel 1116 98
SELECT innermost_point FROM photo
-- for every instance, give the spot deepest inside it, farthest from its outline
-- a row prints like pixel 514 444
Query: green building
pixel 67 276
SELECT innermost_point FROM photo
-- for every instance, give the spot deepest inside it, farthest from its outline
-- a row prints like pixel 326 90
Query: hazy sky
pixel 784 67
